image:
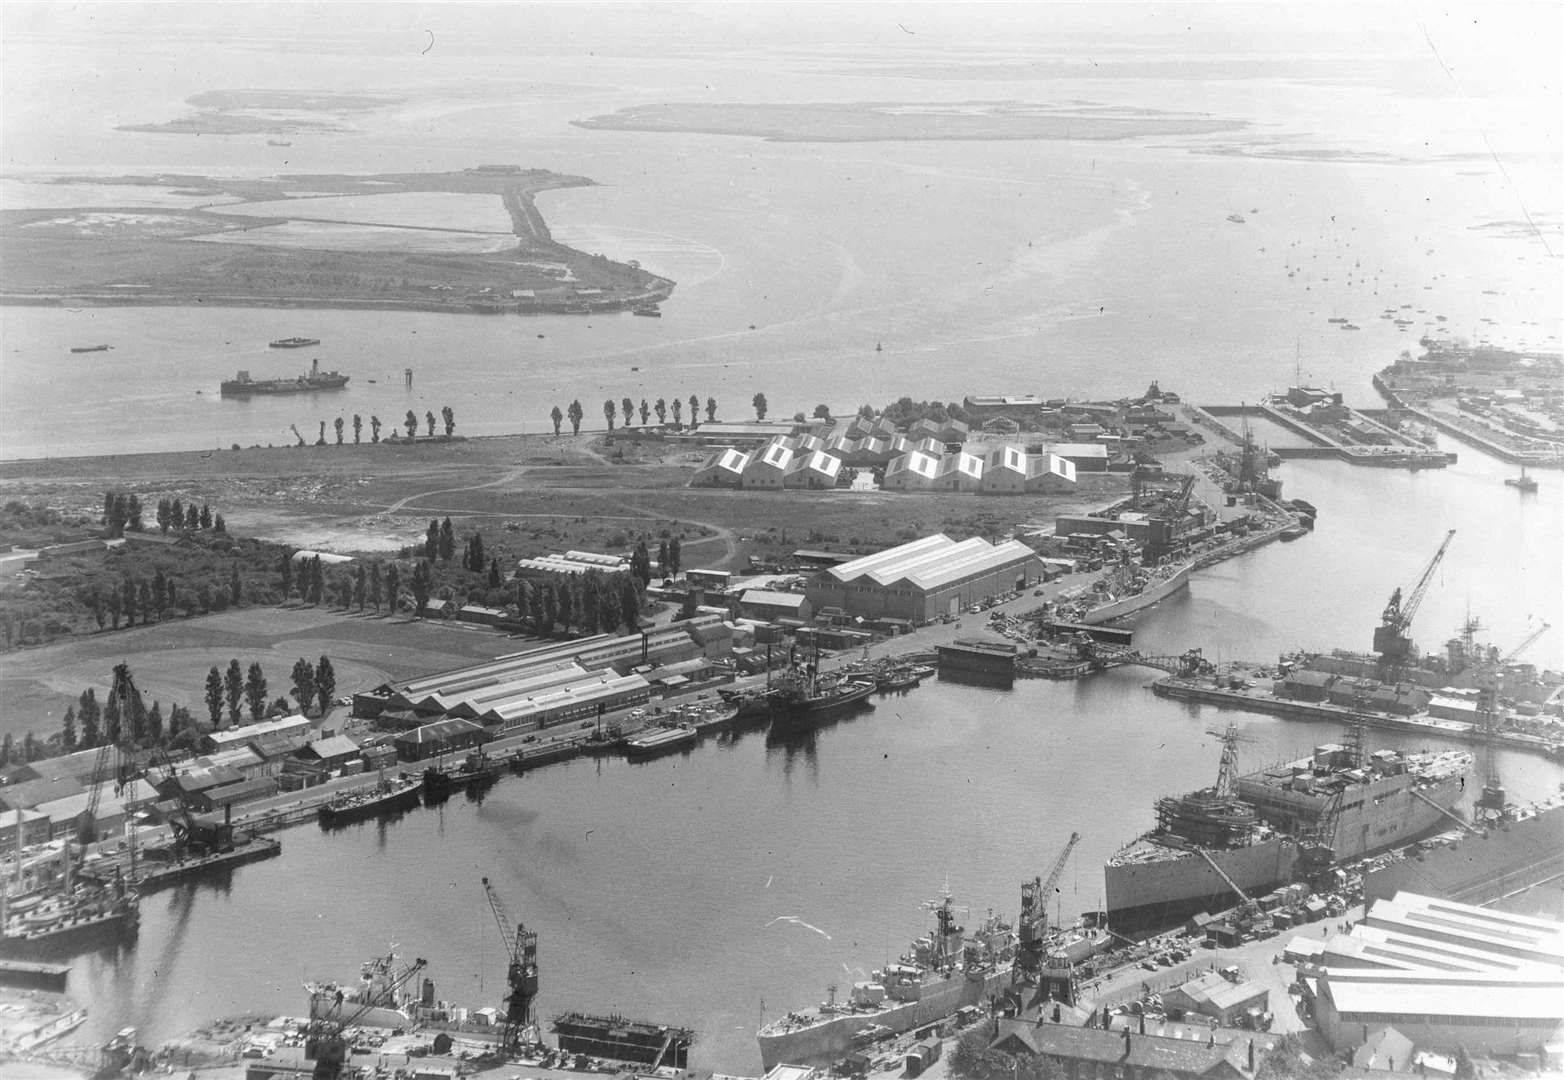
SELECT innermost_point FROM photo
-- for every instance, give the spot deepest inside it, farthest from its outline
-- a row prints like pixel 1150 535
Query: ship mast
pixel 1227 775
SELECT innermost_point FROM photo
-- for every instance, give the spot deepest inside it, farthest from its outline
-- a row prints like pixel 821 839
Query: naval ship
pixel 945 970
pixel 313 379
pixel 1261 830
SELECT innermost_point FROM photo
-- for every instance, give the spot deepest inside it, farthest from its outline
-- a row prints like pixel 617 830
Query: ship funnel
pixel 315 366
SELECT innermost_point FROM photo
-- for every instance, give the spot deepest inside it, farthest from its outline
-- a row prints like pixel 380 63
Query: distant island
pixel 869 121
pixel 266 112
pixel 136 254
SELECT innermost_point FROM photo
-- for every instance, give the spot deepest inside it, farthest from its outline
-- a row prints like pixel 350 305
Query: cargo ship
pixel 618 1039
pixel 946 970
pixel 386 797
pixel 660 740
pixel 293 342
pixel 1141 592
pixel 314 379
pixel 802 696
pixel 1263 829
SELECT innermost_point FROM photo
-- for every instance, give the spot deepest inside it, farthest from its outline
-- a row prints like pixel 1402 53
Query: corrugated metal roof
pixel 1452 998
pixel 933 561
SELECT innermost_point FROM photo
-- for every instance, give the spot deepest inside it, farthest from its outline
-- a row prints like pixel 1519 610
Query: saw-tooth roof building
pixel 924 579
pixel 725 468
pixel 912 471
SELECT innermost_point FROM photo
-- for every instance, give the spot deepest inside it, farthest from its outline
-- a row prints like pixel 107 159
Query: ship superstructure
pixel 946 969
pixel 1256 830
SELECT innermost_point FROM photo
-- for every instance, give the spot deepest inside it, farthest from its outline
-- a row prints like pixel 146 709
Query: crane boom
pixel 1390 637
pixel 1064 856
pixel 325 1042
pixel 1033 924
pixel 521 975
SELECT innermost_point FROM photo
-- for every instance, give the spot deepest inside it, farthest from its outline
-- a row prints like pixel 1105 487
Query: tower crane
pixel 324 1040
pixel 521 976
pixel 1033 925
pixel 1490 680
pixel 1391 642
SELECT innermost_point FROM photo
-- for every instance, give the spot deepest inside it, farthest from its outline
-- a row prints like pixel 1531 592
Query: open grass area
pixel 170 660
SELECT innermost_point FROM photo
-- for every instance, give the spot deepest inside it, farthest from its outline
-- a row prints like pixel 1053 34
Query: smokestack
pixel 1251 1056
pixel 1143 1023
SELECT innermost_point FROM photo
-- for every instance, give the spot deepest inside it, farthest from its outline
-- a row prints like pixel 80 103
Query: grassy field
pixel 170 660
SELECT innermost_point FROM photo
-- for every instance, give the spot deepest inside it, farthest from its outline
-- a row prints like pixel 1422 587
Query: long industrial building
pixel 552 684
pixel 925 579
pixel 1443 974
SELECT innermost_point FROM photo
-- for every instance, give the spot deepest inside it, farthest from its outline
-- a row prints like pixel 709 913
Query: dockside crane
pixel 325 1040
pixel 1391 640
pixel 1033 923
pixel 1490 682
pixel 1249 912
pixel 521 976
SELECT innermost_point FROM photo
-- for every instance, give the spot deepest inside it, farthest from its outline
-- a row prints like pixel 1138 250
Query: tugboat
pixel 386 797
pixel 1522 482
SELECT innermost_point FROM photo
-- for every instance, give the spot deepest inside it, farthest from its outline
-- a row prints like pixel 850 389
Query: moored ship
pixel 1139 593
pixel 802 696
pixel 387 796
pixel 620 1039
pixel 61 918
pixel 293 342
pixel 946 970
pixel 381 998
pixel 314 379
pixel 660 740
pixel 1263 829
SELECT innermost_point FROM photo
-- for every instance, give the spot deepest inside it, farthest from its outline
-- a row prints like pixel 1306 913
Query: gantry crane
pixel 1391 641
pixel 325 1041
pixel 1490 679
pixel 521 976
pixel 1033 925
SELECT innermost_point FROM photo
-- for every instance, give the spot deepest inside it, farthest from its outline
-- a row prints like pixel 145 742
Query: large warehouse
pixel 926 578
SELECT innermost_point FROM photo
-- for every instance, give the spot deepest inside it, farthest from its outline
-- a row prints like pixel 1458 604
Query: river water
pixel 742 878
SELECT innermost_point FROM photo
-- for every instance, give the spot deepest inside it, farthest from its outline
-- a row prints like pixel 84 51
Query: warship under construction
pixel 1264 829
pixel 945 970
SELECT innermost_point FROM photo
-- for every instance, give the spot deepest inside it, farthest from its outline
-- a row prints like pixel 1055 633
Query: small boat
pixel 293 342
pixel 90 348
pixel 1522 482
pixel 878 347
pixel 649 311
pixel 277 142
pixel 1236 219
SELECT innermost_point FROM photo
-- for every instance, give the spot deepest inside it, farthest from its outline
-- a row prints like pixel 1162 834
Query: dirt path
pixel 508 478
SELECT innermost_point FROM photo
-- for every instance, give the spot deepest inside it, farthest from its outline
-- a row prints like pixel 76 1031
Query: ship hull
pixel 1150 895
pixel 1130 604
pixel 281 386
pixel 393 802
pixel 801 715
pixel 644 749
pixel 831 1039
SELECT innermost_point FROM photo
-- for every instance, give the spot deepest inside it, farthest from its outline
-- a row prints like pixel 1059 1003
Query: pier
pixel 1396 451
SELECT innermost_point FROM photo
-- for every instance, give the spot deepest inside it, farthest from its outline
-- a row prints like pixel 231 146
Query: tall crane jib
pixel 521 976
pixel 1391 639
pixel 1033 924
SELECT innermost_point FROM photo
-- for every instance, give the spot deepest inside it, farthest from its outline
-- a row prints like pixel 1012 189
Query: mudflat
pixel 135 254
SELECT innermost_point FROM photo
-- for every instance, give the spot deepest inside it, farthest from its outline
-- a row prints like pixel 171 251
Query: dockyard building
pixel 948 432
pixel 1085 456
pixel 572 562
pixel 34 826
pixel 924 579
pixel 1084 1053
pixel 1049 473
pixel 815 470
pixel 227 738
pixel 768 467
pixel 768 605
pixel 1445 975
pixel 1004 471
pixel 440 737
pixel 1222 999
pixel 67 816
pixel 914 471
pixel 872 451
pixel 960 472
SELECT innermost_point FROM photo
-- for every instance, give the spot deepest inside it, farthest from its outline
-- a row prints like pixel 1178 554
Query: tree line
pixel 410 422
pixel 157 598
pixel 625 411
